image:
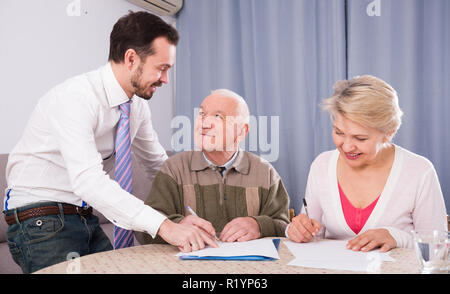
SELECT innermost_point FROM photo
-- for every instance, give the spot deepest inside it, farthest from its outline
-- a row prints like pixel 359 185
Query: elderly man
pixel 233 192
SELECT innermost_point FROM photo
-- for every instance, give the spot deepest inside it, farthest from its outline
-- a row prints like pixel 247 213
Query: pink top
pixel 355 217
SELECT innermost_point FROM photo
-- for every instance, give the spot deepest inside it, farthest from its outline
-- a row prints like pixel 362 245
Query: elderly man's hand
pixel 240 229
pixel 200 223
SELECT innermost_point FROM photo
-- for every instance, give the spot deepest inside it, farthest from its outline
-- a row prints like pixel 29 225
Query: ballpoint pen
pixel 194 214
pixel 306 207
pixel 306 210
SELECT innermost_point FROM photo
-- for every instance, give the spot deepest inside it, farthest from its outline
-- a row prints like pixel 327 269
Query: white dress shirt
pixel 69 138
pixel 411 199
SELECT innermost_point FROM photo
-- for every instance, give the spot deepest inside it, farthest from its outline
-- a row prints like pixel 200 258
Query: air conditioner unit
pixel 160 7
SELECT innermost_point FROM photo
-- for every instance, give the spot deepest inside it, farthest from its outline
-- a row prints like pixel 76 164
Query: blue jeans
pixel 46 240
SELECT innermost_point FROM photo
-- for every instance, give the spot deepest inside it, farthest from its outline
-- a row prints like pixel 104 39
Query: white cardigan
pixel 411 199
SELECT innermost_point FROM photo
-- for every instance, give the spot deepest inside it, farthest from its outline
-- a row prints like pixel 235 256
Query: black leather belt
pixel 47 210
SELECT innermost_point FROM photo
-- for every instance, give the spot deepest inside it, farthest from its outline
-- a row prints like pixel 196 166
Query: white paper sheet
pixel 259 247
pixel 332 254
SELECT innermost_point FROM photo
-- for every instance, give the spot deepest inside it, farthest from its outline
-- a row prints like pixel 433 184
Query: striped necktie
pixel 123 172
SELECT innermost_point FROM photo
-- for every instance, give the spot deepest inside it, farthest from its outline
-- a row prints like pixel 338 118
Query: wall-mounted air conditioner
pixel 160 7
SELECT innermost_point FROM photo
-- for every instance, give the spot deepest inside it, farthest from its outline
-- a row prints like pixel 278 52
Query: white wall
pixel 42 43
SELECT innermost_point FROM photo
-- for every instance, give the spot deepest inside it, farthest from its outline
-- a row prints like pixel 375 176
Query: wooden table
pixel 161 259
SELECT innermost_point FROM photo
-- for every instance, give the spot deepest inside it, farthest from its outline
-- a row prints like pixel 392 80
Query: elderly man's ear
pixel 243 133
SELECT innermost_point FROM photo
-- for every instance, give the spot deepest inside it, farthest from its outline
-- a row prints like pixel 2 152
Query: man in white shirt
pixel 55 173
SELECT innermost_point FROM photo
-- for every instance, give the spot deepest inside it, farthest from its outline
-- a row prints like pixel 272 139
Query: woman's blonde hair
pixel 368 101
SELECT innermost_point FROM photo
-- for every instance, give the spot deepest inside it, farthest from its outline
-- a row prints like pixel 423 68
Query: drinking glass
pixel 432 250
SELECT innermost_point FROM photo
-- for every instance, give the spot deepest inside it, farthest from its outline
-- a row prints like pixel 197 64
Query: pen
pixel 191 211
pixel 194 214
pixel 306 207
pixel 306 210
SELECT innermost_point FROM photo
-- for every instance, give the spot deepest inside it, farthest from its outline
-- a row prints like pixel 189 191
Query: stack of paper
pixel 260 249
pixel 332 254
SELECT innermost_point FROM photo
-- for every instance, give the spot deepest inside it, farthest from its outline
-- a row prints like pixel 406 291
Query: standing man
pixel 55 173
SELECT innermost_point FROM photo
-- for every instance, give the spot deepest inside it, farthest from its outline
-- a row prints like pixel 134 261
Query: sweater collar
pixel 241 162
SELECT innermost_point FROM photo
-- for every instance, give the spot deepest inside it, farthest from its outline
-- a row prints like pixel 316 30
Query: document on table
pixel 259 249
pixel 332 254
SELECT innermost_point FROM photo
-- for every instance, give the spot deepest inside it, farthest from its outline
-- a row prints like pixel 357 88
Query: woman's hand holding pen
pixel 303 229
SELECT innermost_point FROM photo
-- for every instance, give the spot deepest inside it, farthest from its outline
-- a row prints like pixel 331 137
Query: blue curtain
pixel 407 43
pixel 283 57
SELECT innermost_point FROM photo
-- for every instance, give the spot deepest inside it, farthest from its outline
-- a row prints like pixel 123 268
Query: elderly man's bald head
pixel 242 107
pixel 222 123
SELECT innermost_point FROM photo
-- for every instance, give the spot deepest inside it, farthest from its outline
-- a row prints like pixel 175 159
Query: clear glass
pixel 432 250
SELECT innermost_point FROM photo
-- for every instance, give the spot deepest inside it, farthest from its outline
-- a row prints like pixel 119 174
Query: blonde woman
pixel 368 190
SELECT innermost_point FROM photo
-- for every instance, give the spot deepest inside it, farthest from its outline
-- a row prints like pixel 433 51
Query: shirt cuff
pixel 403 239
pixel 148 221
pixel 286 231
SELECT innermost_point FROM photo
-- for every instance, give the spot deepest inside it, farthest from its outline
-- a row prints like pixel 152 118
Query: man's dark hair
pixel 137 30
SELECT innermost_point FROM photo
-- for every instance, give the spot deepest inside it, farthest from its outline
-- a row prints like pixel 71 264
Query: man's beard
pixel 140 90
